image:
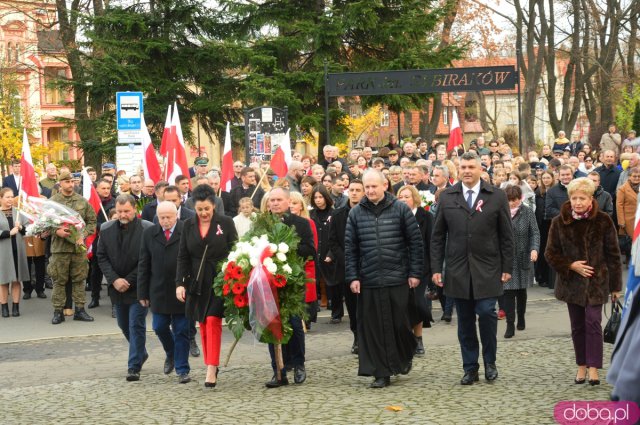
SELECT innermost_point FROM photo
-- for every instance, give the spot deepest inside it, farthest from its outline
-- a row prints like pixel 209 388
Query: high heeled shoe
pixel 212 384
pixel 593 382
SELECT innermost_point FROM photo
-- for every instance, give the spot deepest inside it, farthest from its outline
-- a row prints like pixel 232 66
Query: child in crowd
pixel 243 219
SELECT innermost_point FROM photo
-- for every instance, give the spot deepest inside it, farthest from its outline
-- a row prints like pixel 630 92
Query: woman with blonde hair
pixel 453 171
pixel 583 250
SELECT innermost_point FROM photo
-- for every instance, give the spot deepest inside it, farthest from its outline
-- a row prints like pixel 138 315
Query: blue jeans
pixel 293 351
pixel 467 310
pixel 131 320
pixel 173 333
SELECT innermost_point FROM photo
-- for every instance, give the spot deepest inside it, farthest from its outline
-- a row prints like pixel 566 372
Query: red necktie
pixel 167 233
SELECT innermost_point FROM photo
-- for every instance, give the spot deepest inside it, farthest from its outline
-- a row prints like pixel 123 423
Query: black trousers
pixel 95 277
pixel 39 270
pixel 351 300
pixel 336 294
pixel 515 300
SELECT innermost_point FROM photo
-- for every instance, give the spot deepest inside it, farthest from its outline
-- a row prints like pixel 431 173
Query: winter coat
pixel 626 204
pixel 157 269
pixel 336 241
pixel 425 222
pixel 383 244
pixel 118 254
pixel 555 197
pixel 609 179
pixel 605 203
pixel 592 239
pixel 322 222
pixel 7 269
pixel 526 238
pixel 476 243
pixel 201 301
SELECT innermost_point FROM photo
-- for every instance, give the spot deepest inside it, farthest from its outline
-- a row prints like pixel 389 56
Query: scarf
pixel 581 216
pixel 514 211
pixel 634 187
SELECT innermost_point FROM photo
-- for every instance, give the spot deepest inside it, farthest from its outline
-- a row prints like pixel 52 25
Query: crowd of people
pixel 385 230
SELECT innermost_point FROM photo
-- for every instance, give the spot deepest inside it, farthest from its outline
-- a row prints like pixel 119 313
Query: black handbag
pixel 613 324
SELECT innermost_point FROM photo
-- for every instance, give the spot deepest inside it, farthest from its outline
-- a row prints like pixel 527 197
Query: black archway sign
pixel 421 81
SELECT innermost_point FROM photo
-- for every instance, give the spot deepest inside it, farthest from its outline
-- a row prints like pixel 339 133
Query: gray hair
pixel 470 156
pixel 443 169
pixel 125 198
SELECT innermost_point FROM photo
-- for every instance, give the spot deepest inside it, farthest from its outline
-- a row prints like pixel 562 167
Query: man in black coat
pixel 294 351
pixel 149 210
pixel 384 260
pixel 157 289
pixel 95 274
pixel 336 251
pixel 118 254
pixel 473 225
pixel 245 190
pixel 557 195
pixel 13 181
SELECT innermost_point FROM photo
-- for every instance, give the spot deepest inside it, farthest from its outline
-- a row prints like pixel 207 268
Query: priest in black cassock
pixel 384 260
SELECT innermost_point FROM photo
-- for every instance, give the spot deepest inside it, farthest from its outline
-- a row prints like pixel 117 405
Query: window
pixel 355 110
pixel 384 118
pixel 55 135
pixel 445 115
pixel 54 94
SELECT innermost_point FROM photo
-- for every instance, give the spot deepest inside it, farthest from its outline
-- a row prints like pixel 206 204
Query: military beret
pixel 65 176
pixel 201 161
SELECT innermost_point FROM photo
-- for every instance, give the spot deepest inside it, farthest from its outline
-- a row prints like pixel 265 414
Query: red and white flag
pixel 91 195
pixel 164 144
pixel 28 182
pixel 455 133
pixel 282 156
pixel 227 162
pixel 149 159
pixel 177 162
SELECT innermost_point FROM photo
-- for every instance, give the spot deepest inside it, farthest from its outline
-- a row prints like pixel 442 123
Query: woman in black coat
pixel 543 273
pixel 420 316
pixel 206 240
pixel 322 205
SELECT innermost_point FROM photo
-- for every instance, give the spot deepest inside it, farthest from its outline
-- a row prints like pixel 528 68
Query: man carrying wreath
pixel 292 352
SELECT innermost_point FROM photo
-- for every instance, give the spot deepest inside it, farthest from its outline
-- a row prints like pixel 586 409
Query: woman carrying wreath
pixel 206 240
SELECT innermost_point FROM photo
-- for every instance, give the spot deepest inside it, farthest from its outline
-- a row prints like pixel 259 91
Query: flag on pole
pixel 455 134
pixel 227 162
pixel 164 145
pixel 149 159
pixel 91 195
pixel 177 152
pixel 28 182
pixel 282 156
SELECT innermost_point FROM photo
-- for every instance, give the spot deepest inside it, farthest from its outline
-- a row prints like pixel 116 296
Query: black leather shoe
pixel 594 382
pixel 446 317
pixel 193 348
pixel 380 382
pixel 95 302
pixel 490 372
pixel 58 317
pixel 354 348
pixel 168 365
pixel 419 347
pixel 521 325
pixel 335 321
pixel 48 283
pixel 15 310
pixel 274 383
pixel 5 310
pixel 82 315
pixel 26 296
pixel 469 378
pixel 184 378
pixel 133 375
pixel 299 374
pixel 407 369
pixel 42 295
pixel 511 330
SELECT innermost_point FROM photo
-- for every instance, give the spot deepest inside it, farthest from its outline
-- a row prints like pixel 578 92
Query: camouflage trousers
pixel 68 269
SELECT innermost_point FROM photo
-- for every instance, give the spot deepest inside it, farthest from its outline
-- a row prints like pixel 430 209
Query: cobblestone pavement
pixel 81 380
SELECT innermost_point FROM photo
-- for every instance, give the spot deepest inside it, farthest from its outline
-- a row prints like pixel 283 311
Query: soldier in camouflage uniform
pixel 68 264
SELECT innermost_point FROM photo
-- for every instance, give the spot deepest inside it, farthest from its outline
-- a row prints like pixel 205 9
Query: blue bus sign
pixel 129 109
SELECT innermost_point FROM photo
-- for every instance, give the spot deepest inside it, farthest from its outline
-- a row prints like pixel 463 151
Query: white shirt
pixel 475 189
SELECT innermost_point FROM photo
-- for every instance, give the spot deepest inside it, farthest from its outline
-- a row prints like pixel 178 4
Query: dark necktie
pixel 470 198
pixel 167 234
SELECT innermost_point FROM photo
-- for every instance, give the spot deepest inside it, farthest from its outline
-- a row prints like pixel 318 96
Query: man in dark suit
pixel 149 210
pixel 157 289
pixel 294 351
pixel 245 190
pixel 118 254
pixel 13 181
pixel 473 224
pixel 557 195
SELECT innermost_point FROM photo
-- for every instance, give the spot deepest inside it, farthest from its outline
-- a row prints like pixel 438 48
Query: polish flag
pixel 455 134
pixel 28 182
pixel 164 145
pixel 227 162
pixel 91 195
pixel 282 156
pixel 177 154
pixel 149 159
